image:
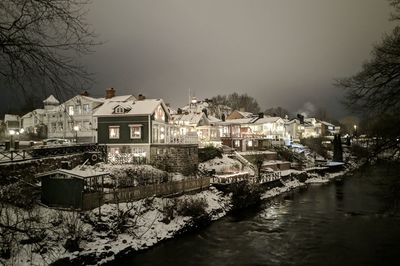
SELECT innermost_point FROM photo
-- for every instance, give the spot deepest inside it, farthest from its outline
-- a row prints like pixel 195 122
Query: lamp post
pixel 355 130
pixel 76 129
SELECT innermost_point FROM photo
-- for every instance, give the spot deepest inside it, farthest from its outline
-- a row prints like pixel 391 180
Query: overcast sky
pixel 282 52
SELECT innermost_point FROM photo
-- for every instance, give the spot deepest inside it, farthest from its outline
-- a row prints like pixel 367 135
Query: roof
pixel 143 107
pixel 51 100
pixel 270 119
pixel 9 117
pixel 327 124
pixel 189 118
pixel 245 114
pixel 76 172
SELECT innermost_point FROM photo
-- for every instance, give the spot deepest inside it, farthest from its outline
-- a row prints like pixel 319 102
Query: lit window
pixel 113 132
pixel 237 143
pixel 86 108
pixel 71 110
pixel 159 114
pixel 136 131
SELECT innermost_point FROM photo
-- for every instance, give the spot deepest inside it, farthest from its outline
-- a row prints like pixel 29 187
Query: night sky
pixel 283 53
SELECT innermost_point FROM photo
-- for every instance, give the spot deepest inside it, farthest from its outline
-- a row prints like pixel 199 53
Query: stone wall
pixel 175 157
pixel 10 172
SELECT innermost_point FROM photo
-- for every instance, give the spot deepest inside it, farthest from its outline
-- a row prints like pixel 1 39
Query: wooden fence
pixel 92 200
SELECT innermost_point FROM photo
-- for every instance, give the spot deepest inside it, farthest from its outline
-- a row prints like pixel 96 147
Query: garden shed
pixel 71 188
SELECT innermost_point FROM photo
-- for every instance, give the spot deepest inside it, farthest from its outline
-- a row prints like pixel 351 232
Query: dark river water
pixel 352 221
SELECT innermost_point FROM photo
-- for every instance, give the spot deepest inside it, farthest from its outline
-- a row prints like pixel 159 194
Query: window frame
pixel 131 131
pixel 118 132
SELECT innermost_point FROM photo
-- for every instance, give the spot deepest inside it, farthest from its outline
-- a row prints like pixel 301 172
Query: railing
pixel 179 140
pixel 230 178
pixel 92 200
pixel 48 151
pixel 244 176
pixel 269 177
pixel 17 155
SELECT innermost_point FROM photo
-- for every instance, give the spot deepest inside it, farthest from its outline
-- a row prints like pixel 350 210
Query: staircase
pixel 244 161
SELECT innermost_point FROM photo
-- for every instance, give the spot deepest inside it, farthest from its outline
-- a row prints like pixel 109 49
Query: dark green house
pixel 129 128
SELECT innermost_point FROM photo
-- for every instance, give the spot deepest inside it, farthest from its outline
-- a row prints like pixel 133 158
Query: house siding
pixel 123 122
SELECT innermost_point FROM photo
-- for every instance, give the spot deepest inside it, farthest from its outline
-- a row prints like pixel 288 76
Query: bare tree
pixel 376 88
pixel 40 41
pixel 237 102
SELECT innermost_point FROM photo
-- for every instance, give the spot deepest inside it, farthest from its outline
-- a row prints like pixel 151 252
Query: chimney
pixel 141 97
pixel 110 93
pixel 85 93
pixel 223 117
pixel 260 115
pixel 179 111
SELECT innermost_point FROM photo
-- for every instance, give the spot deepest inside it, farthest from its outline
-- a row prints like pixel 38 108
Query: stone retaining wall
pixel 175 158
pixel 28 169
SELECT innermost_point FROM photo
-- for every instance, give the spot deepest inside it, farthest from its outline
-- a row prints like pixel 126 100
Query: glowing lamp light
pixel 12 132
pixel 21 130
pixel 76 128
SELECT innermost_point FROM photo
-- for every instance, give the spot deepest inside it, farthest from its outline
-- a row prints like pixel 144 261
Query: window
pixel 78 109
pixel 136 131
pixel 71 110
pixel 159 114
pixel 113 132
pixel 60 126
pixel 119 110
pixel 53 127
pixel 86 108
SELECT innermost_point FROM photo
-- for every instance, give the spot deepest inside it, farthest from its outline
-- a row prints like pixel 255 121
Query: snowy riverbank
pixel 50 235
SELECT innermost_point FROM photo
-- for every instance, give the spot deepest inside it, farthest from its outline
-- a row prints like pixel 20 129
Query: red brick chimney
pixel 141 97
pixel 110 93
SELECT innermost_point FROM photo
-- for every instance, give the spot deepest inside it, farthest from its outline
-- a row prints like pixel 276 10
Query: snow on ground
pixel 145 225
pixel 221 165
pixel 287 186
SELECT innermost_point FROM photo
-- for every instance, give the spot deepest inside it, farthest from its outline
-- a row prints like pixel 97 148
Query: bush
pixel 245 194
pixel 193 207
pixel 315 144
pixel 208 153
pixel 359 151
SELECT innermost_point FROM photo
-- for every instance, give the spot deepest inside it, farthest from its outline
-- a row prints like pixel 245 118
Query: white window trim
pixel 109 135
pixel 131 130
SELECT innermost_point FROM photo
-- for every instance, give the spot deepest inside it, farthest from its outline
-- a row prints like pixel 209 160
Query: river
pixel 352 221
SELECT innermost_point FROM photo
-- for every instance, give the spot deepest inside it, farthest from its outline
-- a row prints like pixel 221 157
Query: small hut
pixel 73 189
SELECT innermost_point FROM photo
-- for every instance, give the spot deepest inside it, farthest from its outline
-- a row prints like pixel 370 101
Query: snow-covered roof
pixel 51 100
pixel 327 124
pixel 9 117
pixel 188 118
pixel 122 98
pixel 143 107
pixel 269 119
pixel 213 119
pixel 245 114
pixel 76 172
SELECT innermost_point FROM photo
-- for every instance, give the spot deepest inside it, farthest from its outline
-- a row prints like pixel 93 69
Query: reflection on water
pixel 352 221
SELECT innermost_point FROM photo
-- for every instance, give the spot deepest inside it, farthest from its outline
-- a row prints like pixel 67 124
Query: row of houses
pixel 131 125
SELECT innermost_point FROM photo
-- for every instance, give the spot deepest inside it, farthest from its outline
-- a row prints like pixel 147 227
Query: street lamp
pixel 76 129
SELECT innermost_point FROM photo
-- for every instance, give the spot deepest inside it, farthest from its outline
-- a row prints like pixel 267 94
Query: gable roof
pixel 188 118
pixel 142 107
pixel 51 100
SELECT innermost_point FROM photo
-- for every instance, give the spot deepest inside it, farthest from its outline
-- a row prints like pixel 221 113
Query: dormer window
pixel 119 110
